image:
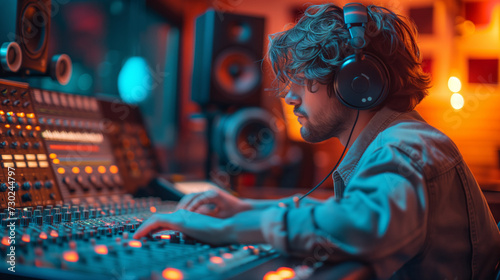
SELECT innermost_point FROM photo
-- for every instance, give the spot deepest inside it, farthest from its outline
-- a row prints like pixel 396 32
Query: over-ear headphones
pixel 362 81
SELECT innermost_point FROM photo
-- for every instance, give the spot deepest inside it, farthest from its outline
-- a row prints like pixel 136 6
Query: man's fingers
pixel 187 200
pixel 155 223
pixel 207 209
pixel 205 198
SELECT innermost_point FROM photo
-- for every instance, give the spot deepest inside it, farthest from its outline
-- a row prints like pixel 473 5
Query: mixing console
pixel 95 241
pixel 25 167
pixel 77 145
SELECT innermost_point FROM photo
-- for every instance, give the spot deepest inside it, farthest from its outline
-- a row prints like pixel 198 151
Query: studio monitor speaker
pixel 27 23
pixel 227 60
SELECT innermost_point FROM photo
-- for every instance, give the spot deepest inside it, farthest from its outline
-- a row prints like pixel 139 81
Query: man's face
pixel 321 116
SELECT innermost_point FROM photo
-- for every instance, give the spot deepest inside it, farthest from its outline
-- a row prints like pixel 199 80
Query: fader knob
pixel 39 220
pixel 67 217
pixel 76 215
pixel 57 218
pixel 85 214
pixel 49 219
pixel 25 221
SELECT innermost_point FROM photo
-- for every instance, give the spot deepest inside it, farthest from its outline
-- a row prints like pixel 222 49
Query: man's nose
pixel 292 98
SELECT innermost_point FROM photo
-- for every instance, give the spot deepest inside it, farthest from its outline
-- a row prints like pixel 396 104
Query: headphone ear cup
pixel 362 81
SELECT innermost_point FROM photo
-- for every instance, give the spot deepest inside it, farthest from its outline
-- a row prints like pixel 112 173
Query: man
pixel 405 201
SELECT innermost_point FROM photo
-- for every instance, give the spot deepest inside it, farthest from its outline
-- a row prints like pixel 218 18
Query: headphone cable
pixel 335 167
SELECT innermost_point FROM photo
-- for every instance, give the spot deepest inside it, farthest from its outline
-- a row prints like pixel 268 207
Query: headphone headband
pixel 362 81
pixel 355 17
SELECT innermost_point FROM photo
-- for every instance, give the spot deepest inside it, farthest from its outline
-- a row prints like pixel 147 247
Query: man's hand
pixel 203 228
pixel 216 203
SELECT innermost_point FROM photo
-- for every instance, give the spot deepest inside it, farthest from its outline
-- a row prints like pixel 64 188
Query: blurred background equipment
pixel 227 58
pixel 27 23
pixel 227 84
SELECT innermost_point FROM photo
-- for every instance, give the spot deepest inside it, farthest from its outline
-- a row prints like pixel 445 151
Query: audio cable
pixel 338 162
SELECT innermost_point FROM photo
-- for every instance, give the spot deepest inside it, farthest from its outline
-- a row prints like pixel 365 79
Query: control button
pixel 33 134
pixel 10 132
pixel 7 164
pixel 18 157
pixel 21 120
pixel 14 145
pixel 36 145
pixel 21 133
pixel 37 185
pixel 3 144
pixel 11 119
pixel 26 186
pixel 32 164
pixel 6 157
pixel 31 121
pixel 3 187
pixel 41 156
pixel 26 145
pixel 43 164
pixel 30 157
pixel 21 164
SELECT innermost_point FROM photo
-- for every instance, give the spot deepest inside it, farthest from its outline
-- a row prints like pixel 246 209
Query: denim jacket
pixel 405 203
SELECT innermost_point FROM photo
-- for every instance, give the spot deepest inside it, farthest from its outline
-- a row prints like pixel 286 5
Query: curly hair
pixel 313 49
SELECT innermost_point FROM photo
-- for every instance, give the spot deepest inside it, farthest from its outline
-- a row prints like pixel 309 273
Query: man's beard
pixel 330 125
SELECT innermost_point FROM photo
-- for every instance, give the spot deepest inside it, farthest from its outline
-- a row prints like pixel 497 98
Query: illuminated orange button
pixel 75 170
pixel 54 233
pixel 285 272
pixel 271 275
pixel 28 127
pixel 88 169
pixel 21 115
pixel 113 169
pixel 101 249
pixel 26 238
pixel 135 244
pixel 152 209
pixel 5 241
pixel 165 236
pixel 101 169
pixel 37 128
pixel 217 260
pixel 30 115
pixel 172 274
pixel 43 235
pixel 52 156
pixel 227 255
pixel 56 161
pixel 61 170
pixel 18 126
pixel 2 113
pixel 7 126
pixel 70 256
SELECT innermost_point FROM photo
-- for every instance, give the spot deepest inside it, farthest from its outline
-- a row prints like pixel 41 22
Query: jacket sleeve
pixel 381 216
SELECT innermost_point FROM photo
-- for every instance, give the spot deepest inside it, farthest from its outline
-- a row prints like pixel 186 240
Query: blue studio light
pixel 134 80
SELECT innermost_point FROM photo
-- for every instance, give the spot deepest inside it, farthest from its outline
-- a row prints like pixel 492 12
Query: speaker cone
pixel 34 29
pixel 236 72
